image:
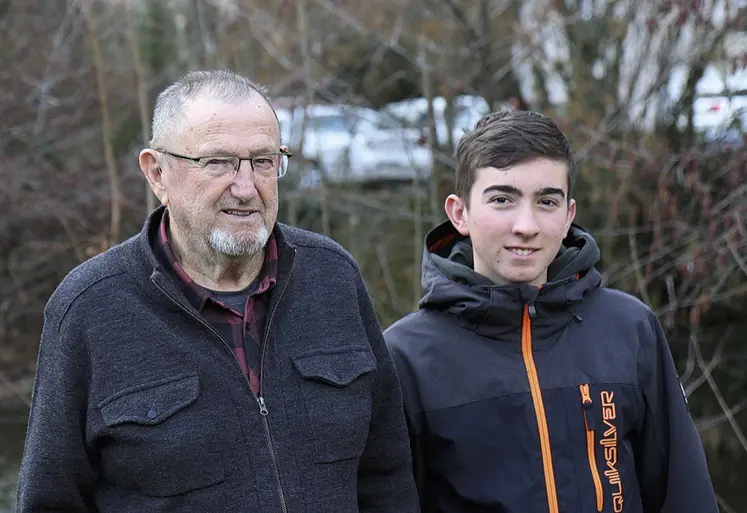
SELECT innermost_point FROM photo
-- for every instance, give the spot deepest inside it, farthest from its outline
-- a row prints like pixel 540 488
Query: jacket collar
pixel 496 311
pixel 160 284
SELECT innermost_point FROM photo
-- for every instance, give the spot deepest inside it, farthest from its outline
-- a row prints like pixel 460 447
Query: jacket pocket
pixel 159 439
pixel 587 404
pixel 337 387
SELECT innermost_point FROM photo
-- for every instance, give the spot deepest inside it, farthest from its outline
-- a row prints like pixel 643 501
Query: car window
pixel 388 123
pixel 329 123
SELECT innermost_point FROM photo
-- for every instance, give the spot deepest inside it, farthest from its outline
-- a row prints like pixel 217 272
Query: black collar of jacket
pixel 496 311
pixel 158 284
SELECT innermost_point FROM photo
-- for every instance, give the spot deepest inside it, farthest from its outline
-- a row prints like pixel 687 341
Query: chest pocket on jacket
pixel 159 439
pixel 337 390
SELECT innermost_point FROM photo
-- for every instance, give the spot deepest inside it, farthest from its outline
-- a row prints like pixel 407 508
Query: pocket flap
pixel 150 403
pixel 338 367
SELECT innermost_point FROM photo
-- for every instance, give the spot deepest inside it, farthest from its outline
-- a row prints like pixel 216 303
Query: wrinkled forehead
pixel 207 120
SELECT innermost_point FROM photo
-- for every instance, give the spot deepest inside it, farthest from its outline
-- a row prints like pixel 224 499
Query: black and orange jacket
pixel 557 399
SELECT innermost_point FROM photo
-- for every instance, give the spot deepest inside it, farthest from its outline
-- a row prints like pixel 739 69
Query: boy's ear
pixel 456 210
pixel 571 216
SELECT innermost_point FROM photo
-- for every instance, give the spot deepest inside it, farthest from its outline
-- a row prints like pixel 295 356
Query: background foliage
pixel 78 79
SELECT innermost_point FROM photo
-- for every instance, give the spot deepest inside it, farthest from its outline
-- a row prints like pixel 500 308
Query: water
pixel 12 433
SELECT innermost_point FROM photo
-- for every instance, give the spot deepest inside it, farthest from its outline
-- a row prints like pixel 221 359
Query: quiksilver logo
pixel 609 442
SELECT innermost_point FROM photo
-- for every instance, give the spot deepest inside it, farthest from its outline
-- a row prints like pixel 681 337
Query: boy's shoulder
pixel 609 302
pixel 418 331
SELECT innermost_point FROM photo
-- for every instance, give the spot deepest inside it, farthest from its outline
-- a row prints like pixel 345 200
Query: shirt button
pixel 152 413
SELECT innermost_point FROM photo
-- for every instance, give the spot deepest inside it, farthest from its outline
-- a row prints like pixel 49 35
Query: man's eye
pixel 501 200
pixel 549 203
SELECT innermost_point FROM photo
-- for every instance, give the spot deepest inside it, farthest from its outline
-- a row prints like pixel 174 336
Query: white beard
pixel 232 245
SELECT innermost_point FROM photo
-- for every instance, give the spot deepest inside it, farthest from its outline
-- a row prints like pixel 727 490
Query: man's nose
pixel 243 186
pixel 526 222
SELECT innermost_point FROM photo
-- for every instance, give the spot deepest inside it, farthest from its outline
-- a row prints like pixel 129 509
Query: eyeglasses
pixel 268 165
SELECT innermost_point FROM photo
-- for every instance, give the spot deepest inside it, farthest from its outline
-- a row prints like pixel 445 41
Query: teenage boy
pixel 529 387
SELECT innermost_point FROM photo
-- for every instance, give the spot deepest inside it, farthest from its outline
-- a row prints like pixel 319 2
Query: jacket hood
pixel 450 283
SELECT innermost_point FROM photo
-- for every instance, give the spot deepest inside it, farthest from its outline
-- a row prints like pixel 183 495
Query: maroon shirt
pixel 243 331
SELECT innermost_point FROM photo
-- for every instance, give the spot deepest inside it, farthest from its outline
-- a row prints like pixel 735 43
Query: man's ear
pixel 571 216
pixel 151 168
pixel 456 210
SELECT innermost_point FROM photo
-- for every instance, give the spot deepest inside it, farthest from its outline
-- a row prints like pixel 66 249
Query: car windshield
pixel 329 124
pixel 388 123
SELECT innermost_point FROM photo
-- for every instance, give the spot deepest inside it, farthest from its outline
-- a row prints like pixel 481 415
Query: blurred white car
pixel 468 109
pixel 325 135
pixel 384 149
pixel 347 143
pixel 720 104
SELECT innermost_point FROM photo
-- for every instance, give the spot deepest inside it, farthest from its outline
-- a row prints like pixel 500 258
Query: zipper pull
pixel 586 403
pixel 585 393
pixel 532 310
pixel 262 407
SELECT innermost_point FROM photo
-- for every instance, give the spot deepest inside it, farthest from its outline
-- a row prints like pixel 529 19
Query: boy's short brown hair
pixel 508 138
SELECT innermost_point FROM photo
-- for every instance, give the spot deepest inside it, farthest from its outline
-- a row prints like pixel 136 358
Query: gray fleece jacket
pixel 139 405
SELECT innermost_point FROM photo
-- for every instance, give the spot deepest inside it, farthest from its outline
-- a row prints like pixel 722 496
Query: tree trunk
pixel 111 163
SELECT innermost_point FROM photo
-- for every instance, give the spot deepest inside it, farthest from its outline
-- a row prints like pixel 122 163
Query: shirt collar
pixel 197 295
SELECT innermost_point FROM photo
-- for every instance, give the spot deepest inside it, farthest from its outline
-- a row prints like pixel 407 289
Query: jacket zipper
pixel 589 420
pixel 539 408
pixel 260 400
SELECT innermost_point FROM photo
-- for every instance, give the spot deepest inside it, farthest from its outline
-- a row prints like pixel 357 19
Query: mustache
pixel 240 205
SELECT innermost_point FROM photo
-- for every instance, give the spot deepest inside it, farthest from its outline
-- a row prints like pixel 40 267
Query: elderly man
pixel 219 360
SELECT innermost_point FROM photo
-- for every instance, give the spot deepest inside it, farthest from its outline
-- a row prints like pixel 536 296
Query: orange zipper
pixel 589 420
pixel 539 410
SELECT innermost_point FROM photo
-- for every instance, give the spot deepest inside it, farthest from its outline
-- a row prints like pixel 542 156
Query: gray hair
pixel 222 85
